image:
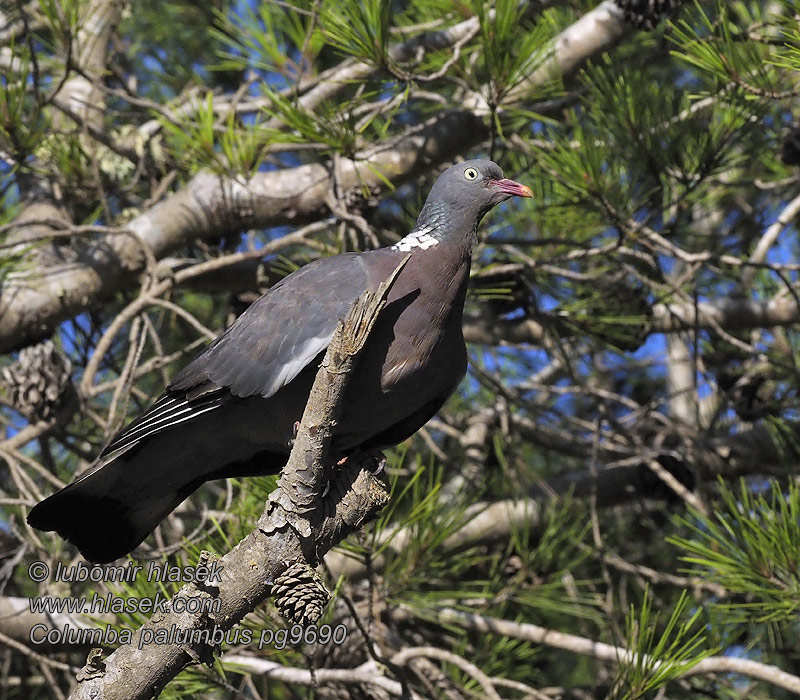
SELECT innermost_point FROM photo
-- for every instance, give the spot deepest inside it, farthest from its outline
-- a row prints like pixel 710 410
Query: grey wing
pixel 280 333
pixel 263 350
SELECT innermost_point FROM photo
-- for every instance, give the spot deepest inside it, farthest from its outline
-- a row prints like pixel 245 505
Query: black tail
pixel 110 510
pixel 104 515
pixel 101 528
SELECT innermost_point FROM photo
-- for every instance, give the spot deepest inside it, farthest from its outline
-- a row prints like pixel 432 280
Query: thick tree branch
pixel 730 314
pixel 598 30
pixel 31 306
pixel 137 670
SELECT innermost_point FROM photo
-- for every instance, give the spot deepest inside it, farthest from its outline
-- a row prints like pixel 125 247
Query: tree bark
pixel 139 670
pixel 32 305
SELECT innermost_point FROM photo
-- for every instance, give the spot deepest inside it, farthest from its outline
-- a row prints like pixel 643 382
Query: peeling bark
pixel 139 670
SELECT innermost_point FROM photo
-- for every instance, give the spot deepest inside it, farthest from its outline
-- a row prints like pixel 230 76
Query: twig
pixel 22 649
pixel 664 577
pixel 403 657
pixel 142 302
pixel 789 213
pixel 366 674
pixel 676 486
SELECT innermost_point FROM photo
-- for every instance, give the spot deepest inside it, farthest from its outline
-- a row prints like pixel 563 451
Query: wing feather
pixel 280 333
pixel 165 413
pixel 262 351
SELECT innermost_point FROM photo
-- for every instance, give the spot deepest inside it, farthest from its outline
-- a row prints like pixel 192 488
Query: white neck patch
pixel 418 239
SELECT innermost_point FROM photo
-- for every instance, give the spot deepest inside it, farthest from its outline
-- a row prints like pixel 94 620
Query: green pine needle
pixel 750 545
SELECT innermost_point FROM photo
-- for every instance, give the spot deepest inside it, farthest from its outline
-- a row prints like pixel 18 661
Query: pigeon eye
pixel 471 174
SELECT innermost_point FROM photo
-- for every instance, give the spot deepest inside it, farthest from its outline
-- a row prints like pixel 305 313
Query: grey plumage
pixel 231 410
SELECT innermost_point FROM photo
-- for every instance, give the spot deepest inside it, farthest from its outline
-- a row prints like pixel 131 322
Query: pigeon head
pixel 459 199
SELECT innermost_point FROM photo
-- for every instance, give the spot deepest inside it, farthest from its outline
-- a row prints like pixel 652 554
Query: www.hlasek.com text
pixel 100 603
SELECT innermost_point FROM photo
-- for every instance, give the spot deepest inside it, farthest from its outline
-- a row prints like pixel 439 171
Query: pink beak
pixel 512 188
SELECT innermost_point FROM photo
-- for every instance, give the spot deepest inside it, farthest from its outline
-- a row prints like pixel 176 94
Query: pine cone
pixel 39 380
pixel 646 14
pixel 300 595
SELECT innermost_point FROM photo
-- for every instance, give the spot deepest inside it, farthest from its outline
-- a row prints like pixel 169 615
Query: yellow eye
pixel 471 174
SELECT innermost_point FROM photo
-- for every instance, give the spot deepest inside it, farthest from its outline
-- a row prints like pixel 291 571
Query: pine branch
pixel 730 314
pixel 210 205
pixel 752 451
pixel 609 653
pixel 249 571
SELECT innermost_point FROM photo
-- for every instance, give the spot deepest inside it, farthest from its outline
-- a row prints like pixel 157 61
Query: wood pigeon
pixel 231 411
